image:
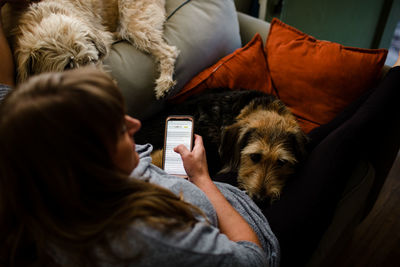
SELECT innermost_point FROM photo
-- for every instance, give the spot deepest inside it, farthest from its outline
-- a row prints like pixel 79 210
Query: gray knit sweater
pixel 3 91
pixel 202 245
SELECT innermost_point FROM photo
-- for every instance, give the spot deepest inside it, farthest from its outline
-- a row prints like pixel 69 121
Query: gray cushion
pixel 250 26
pixel 203 30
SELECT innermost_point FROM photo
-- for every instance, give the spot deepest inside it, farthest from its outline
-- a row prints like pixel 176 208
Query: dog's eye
pixel 71 64
pixel 255 157
pixel 68 67
pixel 281 162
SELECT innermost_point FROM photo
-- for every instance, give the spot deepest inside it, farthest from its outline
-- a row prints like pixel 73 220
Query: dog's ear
pixel 228 148
pixel 25 62
pixel 299 141
pixel 234 138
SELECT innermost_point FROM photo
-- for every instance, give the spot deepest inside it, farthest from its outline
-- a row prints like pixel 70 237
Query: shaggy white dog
pixel 55 35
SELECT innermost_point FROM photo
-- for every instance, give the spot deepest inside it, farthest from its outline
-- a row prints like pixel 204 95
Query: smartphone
pixel 178 130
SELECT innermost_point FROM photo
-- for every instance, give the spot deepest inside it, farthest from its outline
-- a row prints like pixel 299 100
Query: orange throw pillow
pixel 318 79
pixel 245 68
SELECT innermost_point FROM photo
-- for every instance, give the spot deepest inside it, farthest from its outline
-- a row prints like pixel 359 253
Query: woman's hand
pixel 230 222
pixel 195 161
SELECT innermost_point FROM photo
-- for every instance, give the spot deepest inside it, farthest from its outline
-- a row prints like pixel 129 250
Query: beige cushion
pixel 204 31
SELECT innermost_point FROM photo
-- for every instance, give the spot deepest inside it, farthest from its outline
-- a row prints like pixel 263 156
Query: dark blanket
pixel 308 202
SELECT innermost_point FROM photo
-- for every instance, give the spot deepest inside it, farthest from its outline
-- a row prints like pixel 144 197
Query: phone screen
pixel 178 131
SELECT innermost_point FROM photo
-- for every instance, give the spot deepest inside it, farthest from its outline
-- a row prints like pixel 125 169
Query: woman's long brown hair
pixel 58 185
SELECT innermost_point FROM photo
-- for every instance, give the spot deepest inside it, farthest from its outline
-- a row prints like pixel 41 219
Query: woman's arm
pixel 397 62
pixel 7 62
pixel 7 68
pixel 231 223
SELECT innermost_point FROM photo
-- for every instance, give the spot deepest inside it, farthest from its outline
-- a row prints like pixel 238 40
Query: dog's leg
pixel 166 56
pixel 142 24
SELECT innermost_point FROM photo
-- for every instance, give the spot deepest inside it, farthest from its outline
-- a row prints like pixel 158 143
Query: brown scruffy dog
pixel 54 35
pixel 245 132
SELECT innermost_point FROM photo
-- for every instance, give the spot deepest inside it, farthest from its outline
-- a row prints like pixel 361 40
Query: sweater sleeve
pixel 201 245
pixel 4 89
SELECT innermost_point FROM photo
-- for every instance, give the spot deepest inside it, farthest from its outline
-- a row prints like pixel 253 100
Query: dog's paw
pixel 156 157
pixel 163 85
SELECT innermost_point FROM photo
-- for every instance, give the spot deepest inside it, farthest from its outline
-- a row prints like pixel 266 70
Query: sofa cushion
pixel 245 68
pixel 204 31
pixel 317 79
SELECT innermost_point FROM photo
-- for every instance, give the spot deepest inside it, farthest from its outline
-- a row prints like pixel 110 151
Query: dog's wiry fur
pixel 244 132
pixel 54 35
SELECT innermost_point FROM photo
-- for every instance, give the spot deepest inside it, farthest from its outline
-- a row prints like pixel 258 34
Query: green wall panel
pixel 349 22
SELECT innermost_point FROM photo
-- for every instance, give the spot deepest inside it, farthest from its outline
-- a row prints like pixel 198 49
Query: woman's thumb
pixel 182 150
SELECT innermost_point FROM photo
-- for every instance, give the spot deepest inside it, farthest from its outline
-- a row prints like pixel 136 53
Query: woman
pixel 67 199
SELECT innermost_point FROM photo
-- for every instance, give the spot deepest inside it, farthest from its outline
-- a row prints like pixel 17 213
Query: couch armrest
pixel 348 214
pixel 249 26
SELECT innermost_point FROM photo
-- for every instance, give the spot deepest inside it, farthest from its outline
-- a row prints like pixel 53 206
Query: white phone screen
pixel 178 132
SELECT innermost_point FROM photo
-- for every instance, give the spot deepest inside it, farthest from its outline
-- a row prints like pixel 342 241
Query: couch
pixel 314 217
